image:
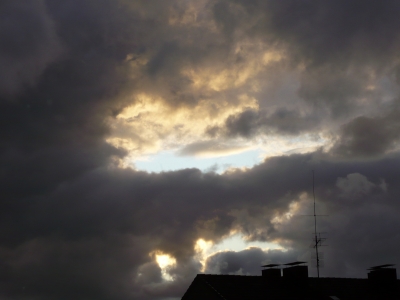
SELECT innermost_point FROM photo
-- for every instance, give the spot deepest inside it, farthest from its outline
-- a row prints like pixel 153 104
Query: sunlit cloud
pixel 203 249
pixel 235 241
pixel 295 209
pixel 287 145
pixel 165 262
pixel 150 126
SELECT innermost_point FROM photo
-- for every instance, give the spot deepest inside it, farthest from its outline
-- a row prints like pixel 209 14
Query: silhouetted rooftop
pixel 235 287
pixel 295 263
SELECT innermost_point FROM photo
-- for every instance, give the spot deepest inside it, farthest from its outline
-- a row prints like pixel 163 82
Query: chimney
pixel 295 271
pixel 271 272
pixel 382 279
pixel 382 273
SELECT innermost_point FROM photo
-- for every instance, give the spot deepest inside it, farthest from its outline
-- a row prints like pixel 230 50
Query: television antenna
pixel 317 240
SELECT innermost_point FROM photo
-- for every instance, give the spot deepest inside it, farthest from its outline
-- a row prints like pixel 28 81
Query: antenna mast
pixel 315 226
pixel 317 240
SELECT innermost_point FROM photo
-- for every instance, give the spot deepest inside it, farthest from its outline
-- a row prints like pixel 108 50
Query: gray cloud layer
pixel 75 225
pixel 27 47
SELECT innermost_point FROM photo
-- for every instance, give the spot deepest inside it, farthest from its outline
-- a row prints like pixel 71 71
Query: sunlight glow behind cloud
pixel 234 242
pixel 165 262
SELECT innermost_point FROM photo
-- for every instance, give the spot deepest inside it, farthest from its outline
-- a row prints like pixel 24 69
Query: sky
pixel 144 142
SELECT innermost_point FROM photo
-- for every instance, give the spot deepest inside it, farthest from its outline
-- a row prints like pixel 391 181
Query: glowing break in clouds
pixel 165 262
pixel 234 242
pixel 160 138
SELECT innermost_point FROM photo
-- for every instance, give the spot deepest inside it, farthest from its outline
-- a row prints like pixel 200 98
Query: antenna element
pixel 317 238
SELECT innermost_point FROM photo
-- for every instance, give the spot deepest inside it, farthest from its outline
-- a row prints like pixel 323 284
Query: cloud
pixel 107 222
pixel 331 44
pixel 354 185
pixel 212 56
pixel 328 31
pixel 27 47
pixel 368 136
pixel 87 84
pixel 280 122
pixel 212 148
pixel 246 262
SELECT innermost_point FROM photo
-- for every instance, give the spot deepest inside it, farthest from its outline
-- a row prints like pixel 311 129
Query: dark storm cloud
pixel 251 122
pixel 74 225
pixel 340 50
pixel 55 130
pixel 62 68
pixel 336 89
pixel 368 136
pixel 337 45
pixel 96 232
pixel 329 31
pixel 29 43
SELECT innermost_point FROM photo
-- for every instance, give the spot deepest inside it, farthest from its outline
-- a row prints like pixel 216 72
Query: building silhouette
pixel 292 282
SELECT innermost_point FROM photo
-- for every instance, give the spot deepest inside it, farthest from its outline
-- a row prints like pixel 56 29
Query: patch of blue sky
pixel 169 161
